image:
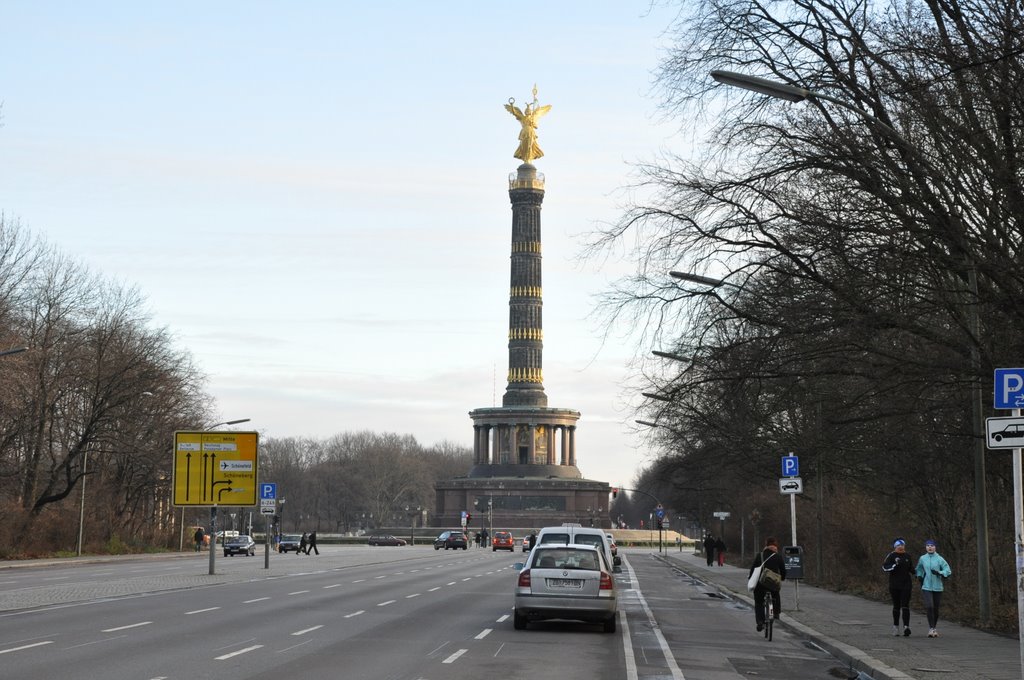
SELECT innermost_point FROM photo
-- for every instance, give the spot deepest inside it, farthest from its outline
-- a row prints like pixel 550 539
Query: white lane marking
pixel 665 650
pixel 131 625
pixel 484 633
pixel 456 655
pixel 504 617
pixel 450 583
pixel 258 599
pixel 386 603
pixel 336 585
pixel 307 630
pixel 433 589
pixel 409 597
pixel 113 638
pixel 18 649
pixel 240 651
pixel 359 580
pixel 498 650
pixel 469 578
pixel 200 611
pixel 349 616
pixel 377 578
pixel 54 578
pixel 299 592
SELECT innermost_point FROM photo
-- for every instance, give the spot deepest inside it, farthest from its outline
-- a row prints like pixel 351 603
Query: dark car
pixel 1012 431
pixel 451 539
pixel 239 545
pixel 289 543
pixel 790 486
pixel 385 539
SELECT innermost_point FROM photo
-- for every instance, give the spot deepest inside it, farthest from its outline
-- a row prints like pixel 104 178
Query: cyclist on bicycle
pixel 771 559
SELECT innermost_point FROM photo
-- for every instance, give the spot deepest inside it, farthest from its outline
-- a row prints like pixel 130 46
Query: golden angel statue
pixel 528 149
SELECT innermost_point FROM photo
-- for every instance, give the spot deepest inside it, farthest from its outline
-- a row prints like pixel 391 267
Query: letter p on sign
pixel 1009 388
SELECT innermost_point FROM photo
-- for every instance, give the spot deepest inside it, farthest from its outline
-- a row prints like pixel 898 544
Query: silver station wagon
pixel 572 582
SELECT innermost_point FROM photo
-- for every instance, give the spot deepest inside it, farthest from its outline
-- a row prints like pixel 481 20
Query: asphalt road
pixel 367 613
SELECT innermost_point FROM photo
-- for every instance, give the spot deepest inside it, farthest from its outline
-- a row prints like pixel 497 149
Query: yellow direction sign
pixel 215 468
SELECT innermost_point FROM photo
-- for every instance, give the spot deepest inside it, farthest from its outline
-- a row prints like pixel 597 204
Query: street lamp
pixel 793 93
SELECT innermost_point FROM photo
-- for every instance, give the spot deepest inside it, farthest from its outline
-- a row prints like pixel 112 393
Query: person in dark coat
pixel 302 544
pixel 720 551
pixel 533 540
pixel 709 548
pixel 771 559
pixel 900 567
pixel 311 543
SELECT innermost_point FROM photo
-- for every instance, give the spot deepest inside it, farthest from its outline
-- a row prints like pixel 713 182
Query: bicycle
pixel 769 615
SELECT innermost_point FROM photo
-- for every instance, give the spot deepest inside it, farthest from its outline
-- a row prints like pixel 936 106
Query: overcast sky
pixel 313 196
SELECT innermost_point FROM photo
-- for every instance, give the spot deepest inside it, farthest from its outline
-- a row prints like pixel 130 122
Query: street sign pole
pixel 792 506
pixel 1018 542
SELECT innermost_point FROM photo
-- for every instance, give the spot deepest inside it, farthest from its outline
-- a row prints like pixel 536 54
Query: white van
pixel 574 533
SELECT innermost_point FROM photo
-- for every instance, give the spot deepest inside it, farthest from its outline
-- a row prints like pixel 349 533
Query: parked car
pixel 572 582
pixel 289 543
pixel 385 539
pixel 451 539
pixel 614 548
pixel 503 540
pixel 239 545
pixel 574 533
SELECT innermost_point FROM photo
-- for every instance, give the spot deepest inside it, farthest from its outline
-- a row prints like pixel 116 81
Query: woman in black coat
pixel 771 559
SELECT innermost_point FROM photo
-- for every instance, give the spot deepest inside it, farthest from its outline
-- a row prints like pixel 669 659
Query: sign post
pixel 1009 394
pixel 209 464
pixel 791 468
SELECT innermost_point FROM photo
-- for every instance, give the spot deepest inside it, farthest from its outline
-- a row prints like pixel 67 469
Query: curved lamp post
pixel 793 93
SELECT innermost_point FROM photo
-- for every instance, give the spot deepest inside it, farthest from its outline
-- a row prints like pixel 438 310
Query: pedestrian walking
pixel 770 558
pixel 900 567
pixel 302 544
pixel 533 539
pixel 311 543
pixel 709 548
pixel 932 571
pixel 198 538
pixel 720 551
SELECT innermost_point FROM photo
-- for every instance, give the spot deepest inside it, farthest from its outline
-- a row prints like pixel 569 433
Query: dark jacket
pixel 901 570
pixel 772 560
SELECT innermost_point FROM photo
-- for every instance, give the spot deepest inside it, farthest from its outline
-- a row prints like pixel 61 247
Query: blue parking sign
pixel 1009 388
pixel 790 466
pixel 268 490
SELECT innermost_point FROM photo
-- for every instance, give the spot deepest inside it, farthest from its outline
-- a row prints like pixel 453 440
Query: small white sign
pixel 265 510
pixel 268 503
pixel 236 466
pixel 791 485
pixel 1004 433
pixel 722 515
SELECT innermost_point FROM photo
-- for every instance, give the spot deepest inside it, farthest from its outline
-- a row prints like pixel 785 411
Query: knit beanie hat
pixel 930 542
pixel 898 542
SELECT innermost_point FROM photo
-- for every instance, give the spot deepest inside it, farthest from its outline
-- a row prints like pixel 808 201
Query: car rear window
pixel 566 558
pixel 590 539
pixel 554 538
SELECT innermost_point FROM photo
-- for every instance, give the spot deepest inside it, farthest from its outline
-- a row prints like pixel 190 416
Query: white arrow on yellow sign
pixel 215 468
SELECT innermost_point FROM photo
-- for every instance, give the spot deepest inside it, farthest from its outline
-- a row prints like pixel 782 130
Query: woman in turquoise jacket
pixel 932 571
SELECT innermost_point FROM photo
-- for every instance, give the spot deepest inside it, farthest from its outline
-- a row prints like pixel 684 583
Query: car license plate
pixel 565 583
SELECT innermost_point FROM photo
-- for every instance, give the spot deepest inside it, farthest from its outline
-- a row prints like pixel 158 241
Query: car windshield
pixel 566 558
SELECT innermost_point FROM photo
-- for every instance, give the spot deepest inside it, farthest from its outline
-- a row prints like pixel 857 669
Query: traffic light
pixel 469 517
pixel 615 492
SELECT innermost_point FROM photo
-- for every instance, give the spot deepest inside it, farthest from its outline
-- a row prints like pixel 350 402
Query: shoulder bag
pixel 769 579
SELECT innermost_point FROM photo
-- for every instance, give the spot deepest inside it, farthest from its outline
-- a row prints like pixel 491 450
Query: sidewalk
pixel 859 631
